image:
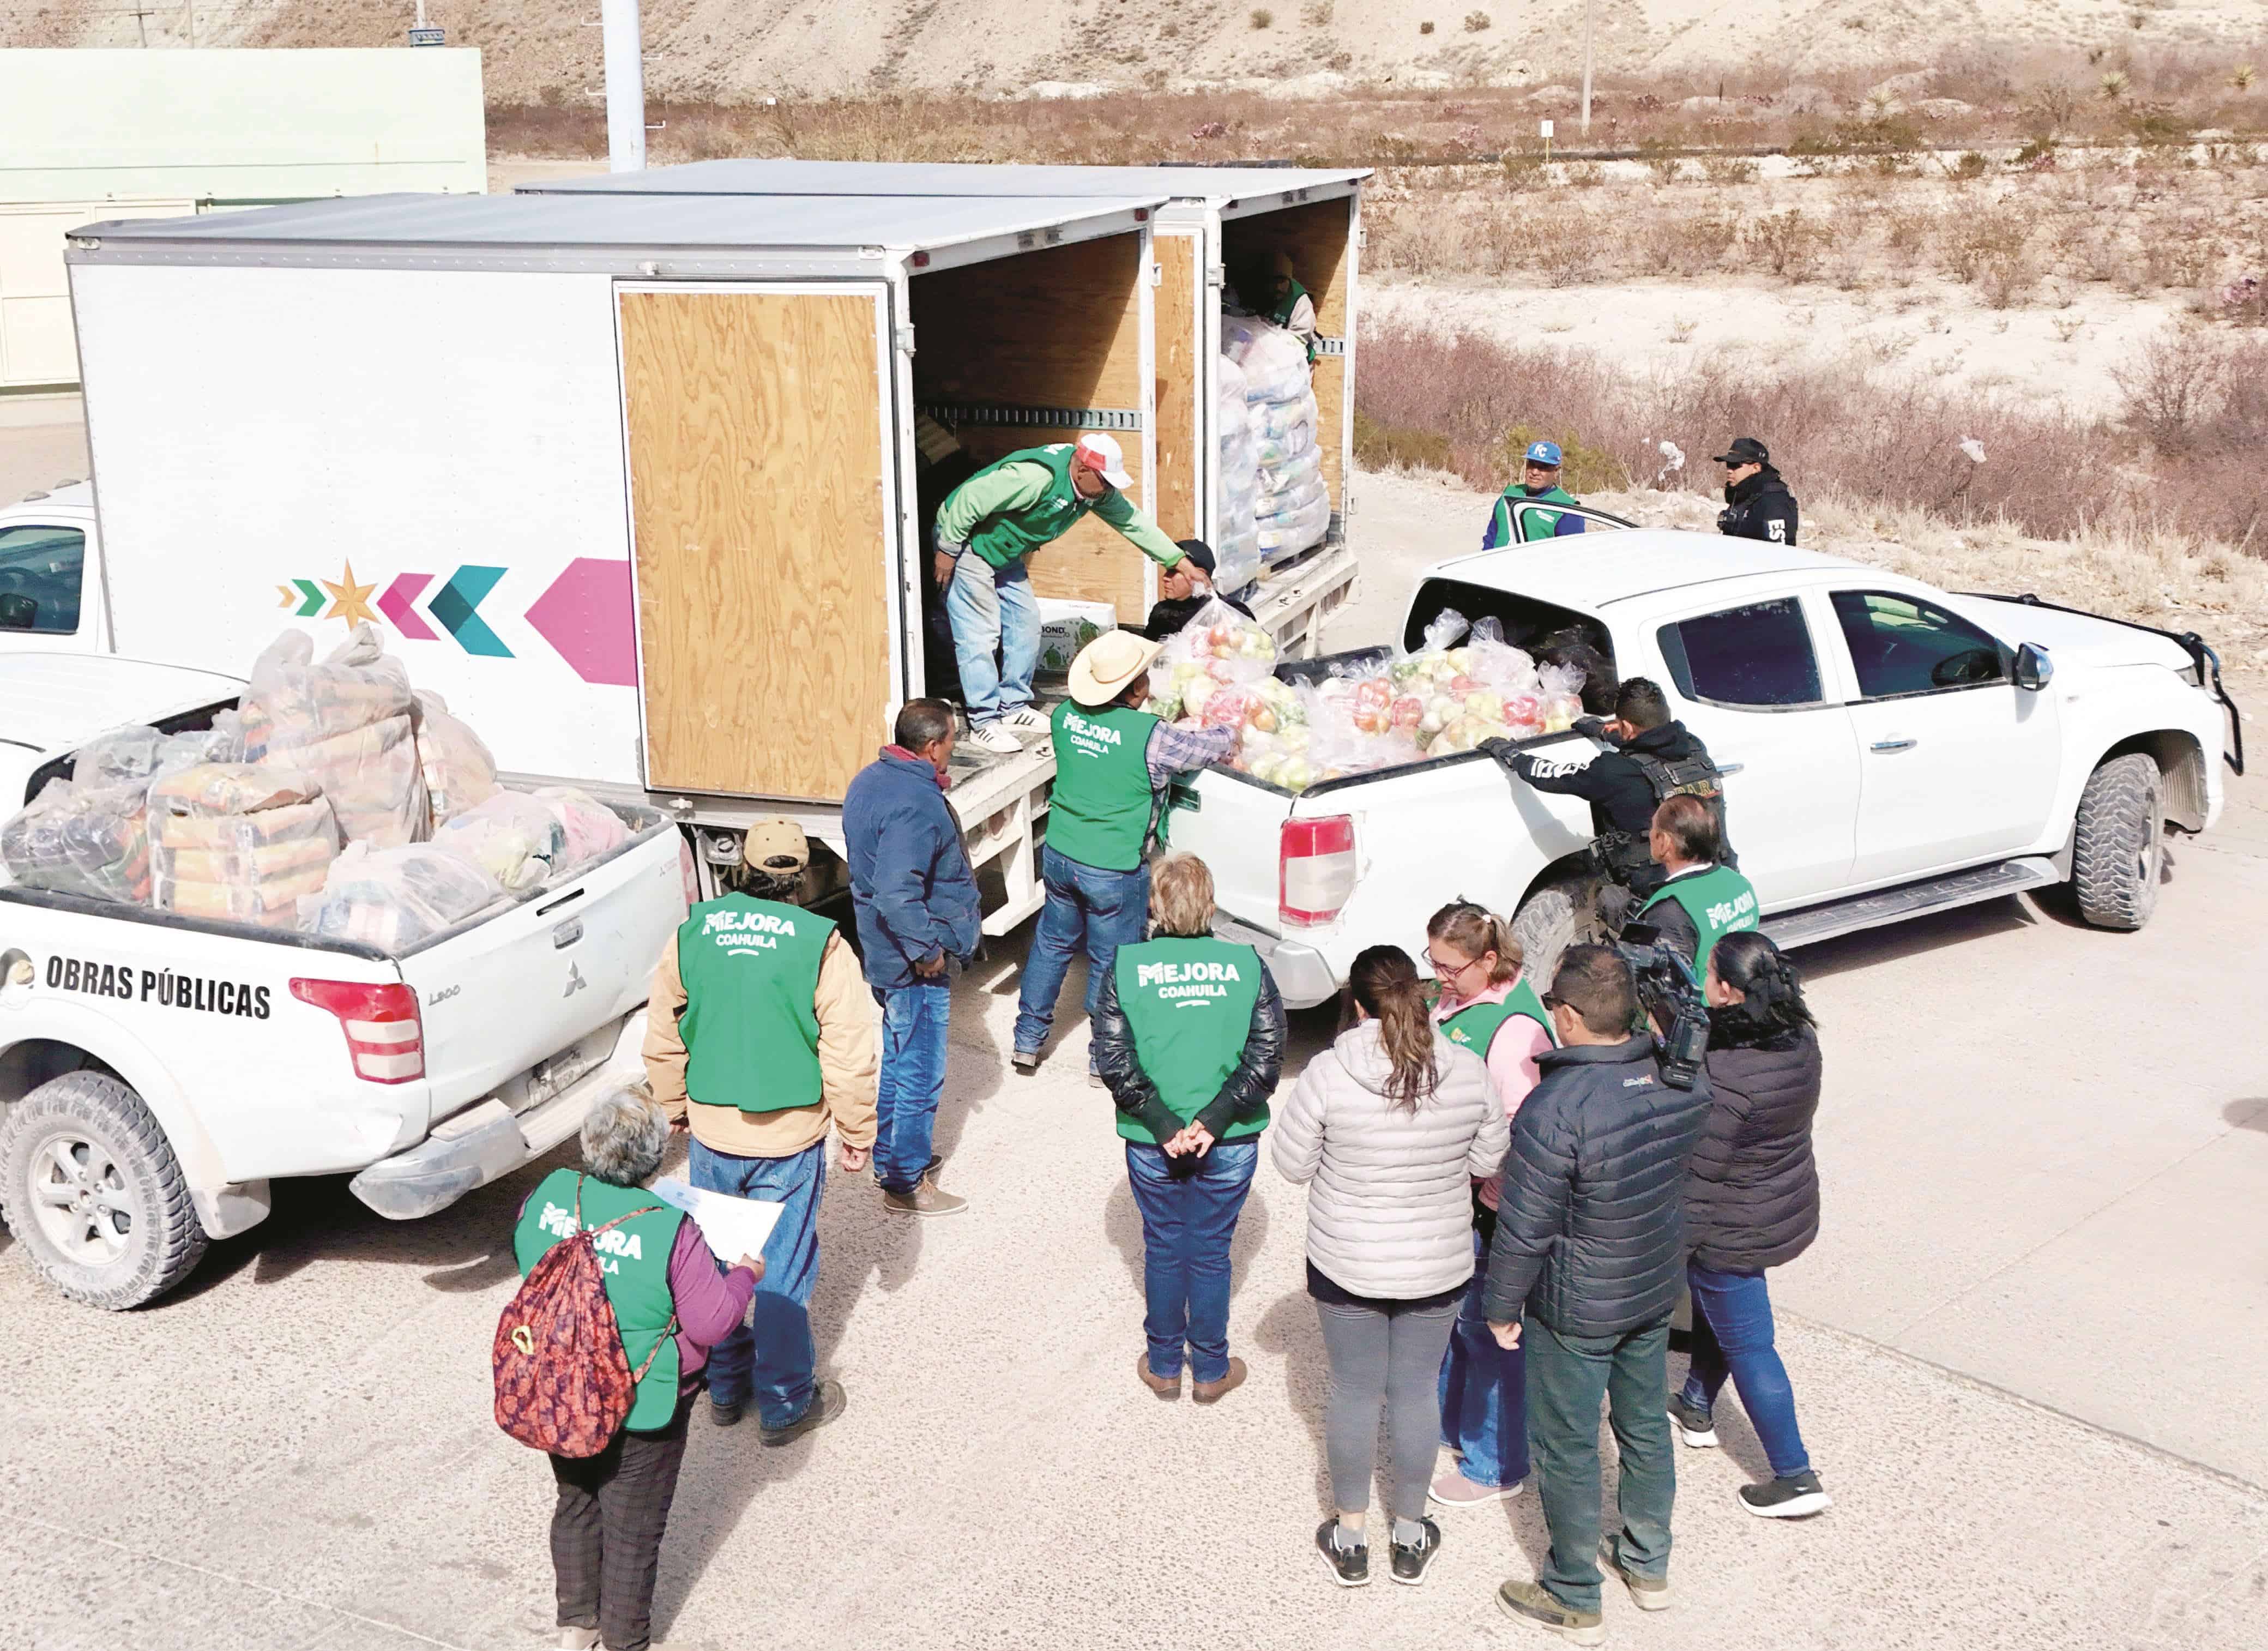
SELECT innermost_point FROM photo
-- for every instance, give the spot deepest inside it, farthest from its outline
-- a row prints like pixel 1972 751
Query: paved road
pixel 2028 1347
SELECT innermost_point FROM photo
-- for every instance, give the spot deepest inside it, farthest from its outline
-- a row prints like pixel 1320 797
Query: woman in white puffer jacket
pixel 1387 1128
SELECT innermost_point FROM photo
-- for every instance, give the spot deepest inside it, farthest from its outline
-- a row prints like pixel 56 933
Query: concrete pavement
pixel 2042 1150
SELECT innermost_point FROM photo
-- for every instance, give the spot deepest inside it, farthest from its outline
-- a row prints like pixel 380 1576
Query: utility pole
pixel 625 86
pixel 142 28
pixel 1590 10
pixel 192 9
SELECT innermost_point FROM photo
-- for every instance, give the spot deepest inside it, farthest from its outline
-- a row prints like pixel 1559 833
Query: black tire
pixel 130 1201
pixel 2118 844
pixel 1549 921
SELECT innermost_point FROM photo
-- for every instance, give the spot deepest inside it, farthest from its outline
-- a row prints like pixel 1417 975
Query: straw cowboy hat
pixel 1106 665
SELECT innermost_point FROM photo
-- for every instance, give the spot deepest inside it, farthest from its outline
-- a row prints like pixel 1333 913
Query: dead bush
pixel 2174 386
pixel 1787 243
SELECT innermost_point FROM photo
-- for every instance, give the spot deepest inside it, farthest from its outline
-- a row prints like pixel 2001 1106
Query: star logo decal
pixel 351 602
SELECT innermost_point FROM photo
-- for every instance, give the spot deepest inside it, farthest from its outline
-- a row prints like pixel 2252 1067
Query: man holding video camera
pixel 1588 1254
pixel 1699 902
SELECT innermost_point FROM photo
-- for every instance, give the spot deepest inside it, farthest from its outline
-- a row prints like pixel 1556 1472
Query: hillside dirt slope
pixel 736 49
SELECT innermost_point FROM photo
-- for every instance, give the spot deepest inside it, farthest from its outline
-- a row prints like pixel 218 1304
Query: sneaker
pixel 1349 1567
pixel 1798 1496
pixel 1164 1386
pixel 1410 1559
pixel 1647 1593
pixel 1452 1489
pixel 1212 1392
pixel 992 737
pixel 935 1163
pixel 577 1640
pixel 827 1401
pixel 1695 1425
pixel 924 1199
pixel 1539 1607
pixel 725 1415
pixel 1026 1061
pixel 1094 1081
pixel 1027 720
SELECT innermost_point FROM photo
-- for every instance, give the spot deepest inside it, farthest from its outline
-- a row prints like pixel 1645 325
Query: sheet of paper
pixel 732 1227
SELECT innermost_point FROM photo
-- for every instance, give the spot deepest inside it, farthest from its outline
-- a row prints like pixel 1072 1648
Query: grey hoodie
pixel 1389 1198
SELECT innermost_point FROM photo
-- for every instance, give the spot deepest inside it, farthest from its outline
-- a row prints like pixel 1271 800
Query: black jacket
pixel 1622 797
pixel 1760 507
pixel 1167 618
pixel 1246 1092
pixel 1752 1194
pixel 1589 1234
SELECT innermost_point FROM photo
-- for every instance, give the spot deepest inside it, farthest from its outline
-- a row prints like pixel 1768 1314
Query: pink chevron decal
pixel 585 615
pixel 395 605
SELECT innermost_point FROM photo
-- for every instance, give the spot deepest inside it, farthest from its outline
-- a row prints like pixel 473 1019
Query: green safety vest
pixel 1719 900
pixel 1475 1026
pixel 751 1022
pixel 1100 813
pixel 1544 523
pixel 633 1265
pixel 1188 1005
pixel 1000 539
pixel 1282 314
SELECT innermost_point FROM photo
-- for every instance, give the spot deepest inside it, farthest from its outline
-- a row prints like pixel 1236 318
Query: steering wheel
pixel 14 580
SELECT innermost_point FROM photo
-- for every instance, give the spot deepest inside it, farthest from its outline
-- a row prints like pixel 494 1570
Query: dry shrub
pixel 1787 243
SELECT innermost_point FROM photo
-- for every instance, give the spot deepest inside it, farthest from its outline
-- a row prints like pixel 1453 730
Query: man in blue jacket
pixel 916 904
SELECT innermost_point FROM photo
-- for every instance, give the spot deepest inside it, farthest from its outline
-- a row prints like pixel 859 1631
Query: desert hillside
pixel 738 49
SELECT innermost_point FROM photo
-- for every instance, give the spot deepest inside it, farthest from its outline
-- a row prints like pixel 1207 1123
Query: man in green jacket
pixel 1289 306
pixel 1509 525
pixel 1701 901
pixel 986 528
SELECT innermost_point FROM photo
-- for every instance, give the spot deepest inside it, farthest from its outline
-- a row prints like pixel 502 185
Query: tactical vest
pixel 1719 900
pixel 1189 1005
pixel 751 1022
pixel 1099 813
pixel 1626 855
pixel 1000 539
pixel 1475 1026
pixel 633 1265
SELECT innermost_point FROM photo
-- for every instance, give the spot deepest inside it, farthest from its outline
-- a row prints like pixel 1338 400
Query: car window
pixel 1903 644
pixel 1758 654
pixel 1549 522
pixel 40 568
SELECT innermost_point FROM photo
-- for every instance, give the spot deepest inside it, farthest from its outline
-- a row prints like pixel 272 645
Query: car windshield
pixel 40 571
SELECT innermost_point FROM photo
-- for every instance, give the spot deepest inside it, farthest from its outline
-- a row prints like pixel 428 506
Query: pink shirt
pixel 1512 1055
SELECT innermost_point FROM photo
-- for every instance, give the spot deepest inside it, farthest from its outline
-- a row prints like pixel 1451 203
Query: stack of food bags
pixel 459 774
pixel 397 898
pixel 348 724
pixel 1218 649
pixel 240 840
pixel 1236 542
pixel 1292 510
pixel 74 839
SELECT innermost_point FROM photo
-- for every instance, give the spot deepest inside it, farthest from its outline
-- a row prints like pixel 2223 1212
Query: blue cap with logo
pixel 1543 452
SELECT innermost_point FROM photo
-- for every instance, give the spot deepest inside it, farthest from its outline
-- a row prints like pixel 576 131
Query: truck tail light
pixel 385 1038
pixel 1317 870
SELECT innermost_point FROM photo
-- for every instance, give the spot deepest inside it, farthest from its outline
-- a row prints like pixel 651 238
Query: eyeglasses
pixel 1550 1002
pixel 1450 971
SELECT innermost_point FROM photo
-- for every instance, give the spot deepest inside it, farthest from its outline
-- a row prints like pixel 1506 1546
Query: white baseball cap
pixel 1098 452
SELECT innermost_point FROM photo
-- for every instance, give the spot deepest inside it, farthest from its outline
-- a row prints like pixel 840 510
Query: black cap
pixel 1746 450
pixel 1200 553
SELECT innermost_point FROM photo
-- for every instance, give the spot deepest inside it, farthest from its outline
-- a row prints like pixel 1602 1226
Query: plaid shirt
pixel 1174 750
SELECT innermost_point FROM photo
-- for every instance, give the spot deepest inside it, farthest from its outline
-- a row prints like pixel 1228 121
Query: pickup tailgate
pixel 1234 823
pixel 539 980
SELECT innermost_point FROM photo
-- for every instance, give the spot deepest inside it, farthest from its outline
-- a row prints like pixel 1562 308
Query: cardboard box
pixel 1066 627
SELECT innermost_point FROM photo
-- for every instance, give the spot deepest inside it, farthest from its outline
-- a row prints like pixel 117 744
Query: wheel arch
pixel 1568 868
pixel 68 1038
pixel 2180 762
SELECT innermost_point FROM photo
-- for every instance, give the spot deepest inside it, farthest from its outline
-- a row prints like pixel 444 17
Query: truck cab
pixel 53 598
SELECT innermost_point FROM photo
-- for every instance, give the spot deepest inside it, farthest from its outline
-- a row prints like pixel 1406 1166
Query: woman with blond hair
pixel 1188 1038
pixel 1386 1128
pixel 1487 1006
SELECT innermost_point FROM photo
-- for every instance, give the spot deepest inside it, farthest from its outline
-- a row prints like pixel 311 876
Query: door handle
pixel 1892 745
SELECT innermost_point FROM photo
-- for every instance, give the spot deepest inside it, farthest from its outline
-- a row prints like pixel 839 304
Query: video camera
pixel 1672 996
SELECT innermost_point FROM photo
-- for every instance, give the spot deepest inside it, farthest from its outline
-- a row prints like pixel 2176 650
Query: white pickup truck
pixel 1889 749
pixel 158 1071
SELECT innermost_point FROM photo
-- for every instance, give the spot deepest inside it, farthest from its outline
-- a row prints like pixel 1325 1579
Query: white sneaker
pixel 1027 718
pixel 994 737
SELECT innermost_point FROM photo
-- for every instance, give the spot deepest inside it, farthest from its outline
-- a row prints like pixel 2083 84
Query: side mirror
pixel 2035 670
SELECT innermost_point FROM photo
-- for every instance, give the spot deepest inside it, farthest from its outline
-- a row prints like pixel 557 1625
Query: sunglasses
pixel 1550 1002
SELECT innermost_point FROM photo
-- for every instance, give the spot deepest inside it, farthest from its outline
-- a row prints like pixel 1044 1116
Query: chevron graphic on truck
pixel 583 612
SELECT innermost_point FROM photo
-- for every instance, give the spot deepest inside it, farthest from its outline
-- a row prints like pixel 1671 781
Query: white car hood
pixel 2071 638
pixel 53 703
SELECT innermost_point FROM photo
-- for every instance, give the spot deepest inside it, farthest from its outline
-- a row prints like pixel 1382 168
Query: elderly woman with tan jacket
pixel 1387 1127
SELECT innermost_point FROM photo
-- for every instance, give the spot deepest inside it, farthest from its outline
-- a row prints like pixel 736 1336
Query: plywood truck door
pixel 756 422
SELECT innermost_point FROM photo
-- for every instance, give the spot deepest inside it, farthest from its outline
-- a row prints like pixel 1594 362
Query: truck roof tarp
pixel 1216 184
pixel 522 223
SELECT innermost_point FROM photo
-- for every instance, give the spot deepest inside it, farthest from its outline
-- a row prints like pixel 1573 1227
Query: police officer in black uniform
pixel 1757 503
pixel 1649 756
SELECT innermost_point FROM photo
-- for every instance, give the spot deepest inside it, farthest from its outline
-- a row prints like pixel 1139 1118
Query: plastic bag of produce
pixel 74 839
pixel 347 723
pixel 511 837
pixel 590 829
pixel 460 772
pixel 400 897
pixel 1216 633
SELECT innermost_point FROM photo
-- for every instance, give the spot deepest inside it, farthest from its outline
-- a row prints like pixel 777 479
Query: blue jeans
pixel 1187 1222
pixel 1733 1336
pixel 1105 910
pixel 1484 1393
pixel 913 1076
pixel 993 608
pixel 769 1356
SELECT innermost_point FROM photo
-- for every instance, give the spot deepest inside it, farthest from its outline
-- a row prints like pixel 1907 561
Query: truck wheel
pixel 1548 922
pixel 94 1193
pixel 2118 842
